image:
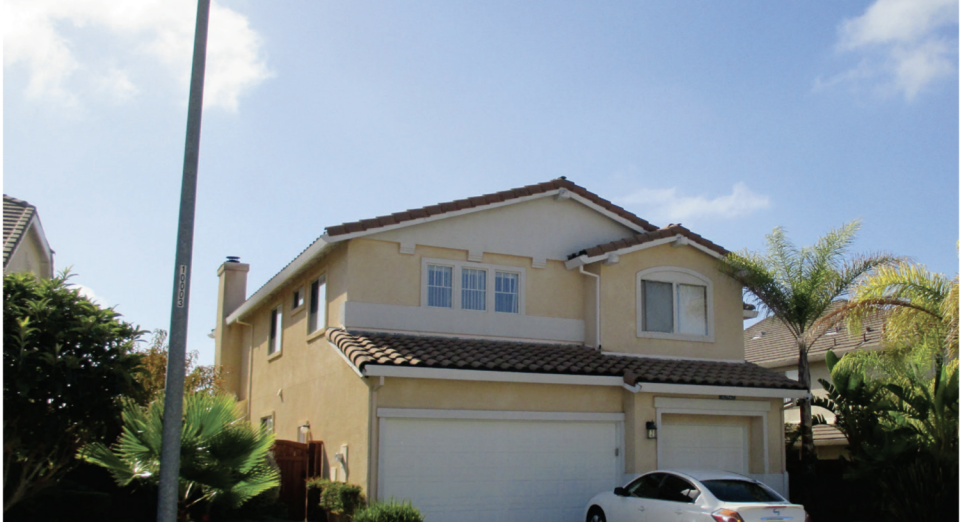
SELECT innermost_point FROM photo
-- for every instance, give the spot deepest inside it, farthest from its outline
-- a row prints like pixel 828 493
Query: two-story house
pixel 505 357
pixel 25 247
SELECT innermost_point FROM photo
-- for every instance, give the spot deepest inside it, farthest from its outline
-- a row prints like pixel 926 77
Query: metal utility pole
pixel 173 396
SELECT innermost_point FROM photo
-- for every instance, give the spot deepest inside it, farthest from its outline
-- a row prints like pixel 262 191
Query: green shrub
pixel 337 498
pixel 390 511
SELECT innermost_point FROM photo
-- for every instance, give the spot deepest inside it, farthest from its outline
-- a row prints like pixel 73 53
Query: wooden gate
pixel 297 462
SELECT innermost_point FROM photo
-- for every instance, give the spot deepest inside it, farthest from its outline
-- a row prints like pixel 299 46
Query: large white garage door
pixel 703 447
pixel 484 470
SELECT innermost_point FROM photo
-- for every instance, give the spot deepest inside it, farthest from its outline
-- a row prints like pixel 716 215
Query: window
pixel 675 489
pixel 645 486
pixel 674 303
pixel 474 289
pixel 461 285
pixel 298 298
pixel 266 423
pixel 440 286
pixel 276 330
pixel 318 305
pixel 508 292
pixel 741 491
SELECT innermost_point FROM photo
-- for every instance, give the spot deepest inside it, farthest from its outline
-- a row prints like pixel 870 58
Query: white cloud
pixel 668 205
pixel 905 45
pixel 37 34
pixel 88 292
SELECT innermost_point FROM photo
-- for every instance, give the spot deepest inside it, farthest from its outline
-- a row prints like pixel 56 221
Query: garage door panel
pixel 497 470
pixel 704 446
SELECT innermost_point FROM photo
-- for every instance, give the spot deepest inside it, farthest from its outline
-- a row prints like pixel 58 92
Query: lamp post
pixel 173 396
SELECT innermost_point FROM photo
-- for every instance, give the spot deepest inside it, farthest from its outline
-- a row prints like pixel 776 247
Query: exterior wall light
pixel 651 430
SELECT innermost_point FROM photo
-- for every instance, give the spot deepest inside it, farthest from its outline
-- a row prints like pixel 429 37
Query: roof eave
pixel 586 260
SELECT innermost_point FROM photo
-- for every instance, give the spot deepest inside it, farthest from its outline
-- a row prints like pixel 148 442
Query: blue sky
pixel 729 117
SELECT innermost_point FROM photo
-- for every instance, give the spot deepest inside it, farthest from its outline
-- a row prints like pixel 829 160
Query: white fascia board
pixel 318 247
pixel 585 260
pixel 411 413
pixel 750 314
pixel 444 215
pixel 376 370
pixel 736 391
pixel 35 222
pixel 371 370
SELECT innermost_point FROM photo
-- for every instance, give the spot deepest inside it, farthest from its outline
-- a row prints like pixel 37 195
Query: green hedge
pixel 337 498
pixel 390 511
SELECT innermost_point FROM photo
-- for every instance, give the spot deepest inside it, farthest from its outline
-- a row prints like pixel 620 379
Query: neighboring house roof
pixel 670 230
pixel 828 435
pixel 770 344
pixel 18 215
pixel 366 348
pixel 482 201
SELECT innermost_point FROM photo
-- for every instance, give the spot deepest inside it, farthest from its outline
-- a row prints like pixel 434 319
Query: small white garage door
pixel 483 470
pixel 703 447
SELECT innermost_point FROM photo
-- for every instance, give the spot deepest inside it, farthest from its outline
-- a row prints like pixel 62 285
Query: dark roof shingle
pixel 487 199
pixel 16 218
pixel 665 232
pixel 366 348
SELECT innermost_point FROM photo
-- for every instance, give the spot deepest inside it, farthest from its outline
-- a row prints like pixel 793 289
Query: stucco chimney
pixel 229 339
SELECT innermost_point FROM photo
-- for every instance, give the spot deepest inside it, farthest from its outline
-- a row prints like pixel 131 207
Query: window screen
pixel 657 306
pixel 318 305
pixel 692 309
pixel 507 292
pixel 473 289
pixel 440 286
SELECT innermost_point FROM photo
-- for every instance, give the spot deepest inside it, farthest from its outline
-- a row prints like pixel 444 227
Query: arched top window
pixel 674 303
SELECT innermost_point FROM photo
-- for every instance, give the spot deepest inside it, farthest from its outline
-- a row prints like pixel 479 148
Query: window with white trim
pixel 276 330
pixel 674 303
pixel 480 287
pixel 266 423
pixel 318 305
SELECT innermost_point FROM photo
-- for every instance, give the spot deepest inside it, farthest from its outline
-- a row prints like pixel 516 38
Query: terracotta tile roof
pixel 16 218
pixel 365 348
pixel 487 199
pixel 769 343
pixel 828 433
pixel 667 231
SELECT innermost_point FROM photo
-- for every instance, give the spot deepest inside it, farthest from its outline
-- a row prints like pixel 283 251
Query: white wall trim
pixel 699 389
pixel 375 370
pixel 586 260
pixel 411 413
pixel 710 404
pixel 450 321
pixel 672 357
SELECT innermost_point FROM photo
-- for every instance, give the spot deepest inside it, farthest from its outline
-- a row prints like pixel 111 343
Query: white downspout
pixel 597 317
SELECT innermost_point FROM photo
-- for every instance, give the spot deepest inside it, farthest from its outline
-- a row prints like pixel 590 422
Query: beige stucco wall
pixel 30 257
pixel 618 298
pixel 379 273
pixel 307 381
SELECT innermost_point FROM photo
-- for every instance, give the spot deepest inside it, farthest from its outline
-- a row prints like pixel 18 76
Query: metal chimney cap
pixel 233 259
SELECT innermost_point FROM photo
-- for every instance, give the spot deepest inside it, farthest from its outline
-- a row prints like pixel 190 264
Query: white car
pixel 693 496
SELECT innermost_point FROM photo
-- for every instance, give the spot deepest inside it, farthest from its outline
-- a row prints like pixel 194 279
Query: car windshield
pixel 740 491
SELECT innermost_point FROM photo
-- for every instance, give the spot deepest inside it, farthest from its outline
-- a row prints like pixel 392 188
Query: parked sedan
pixel 693 496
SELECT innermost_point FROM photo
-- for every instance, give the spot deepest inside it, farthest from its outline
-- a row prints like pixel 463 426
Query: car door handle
pixel 679 512
pixel 642 508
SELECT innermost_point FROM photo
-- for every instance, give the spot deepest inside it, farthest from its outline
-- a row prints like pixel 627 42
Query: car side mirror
pixel 620 492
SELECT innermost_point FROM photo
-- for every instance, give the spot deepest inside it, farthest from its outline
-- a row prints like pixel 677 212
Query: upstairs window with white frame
pixel 472 286
pixel 674 303
pixel 276 330
pixel 318 305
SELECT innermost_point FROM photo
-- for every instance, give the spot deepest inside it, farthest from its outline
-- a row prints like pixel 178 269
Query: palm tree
pixel 919 307
pixel 797 285
pixel 222 458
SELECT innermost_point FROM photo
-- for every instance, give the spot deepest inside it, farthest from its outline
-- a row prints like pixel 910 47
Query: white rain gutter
pixel 597 316
pixel 318 247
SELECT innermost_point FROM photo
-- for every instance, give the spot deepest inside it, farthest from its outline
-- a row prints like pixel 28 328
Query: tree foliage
pixel 153 378
pixel 223 458
pixel 798 285
pixel 66 362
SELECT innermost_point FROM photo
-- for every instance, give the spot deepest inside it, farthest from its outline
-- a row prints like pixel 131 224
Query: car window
pixel 740 491
pixel 645 486
pixel 674 489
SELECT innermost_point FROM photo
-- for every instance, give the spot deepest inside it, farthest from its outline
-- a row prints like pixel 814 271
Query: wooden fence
pixel 298 462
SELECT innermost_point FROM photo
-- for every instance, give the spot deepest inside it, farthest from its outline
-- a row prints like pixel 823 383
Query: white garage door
pixel 483 470
pixel 703 447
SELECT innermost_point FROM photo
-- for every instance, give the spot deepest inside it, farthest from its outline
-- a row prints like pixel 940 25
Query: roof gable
pixel 18 215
